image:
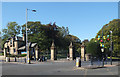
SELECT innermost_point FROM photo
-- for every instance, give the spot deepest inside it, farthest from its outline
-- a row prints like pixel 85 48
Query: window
pixel 11 42
pixel 14 50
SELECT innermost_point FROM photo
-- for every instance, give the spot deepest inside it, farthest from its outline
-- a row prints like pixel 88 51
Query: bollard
pixel 91 61
pixel 78 62
pixel 7 59
pixel 24 60
pixel 18 59
pixel 45 58
pixel 21 59
pixel 15 59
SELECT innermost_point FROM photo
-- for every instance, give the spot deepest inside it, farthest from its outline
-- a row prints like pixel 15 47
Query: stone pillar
pixel 23 37
pixel 71 51
pixel 83 52
pixel 88 56
pixel 53 52
pixel 36 53
pixel 5 53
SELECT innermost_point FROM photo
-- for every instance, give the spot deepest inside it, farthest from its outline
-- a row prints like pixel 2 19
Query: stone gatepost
pixel 88 57
pixel 53 52
pixel 71 51
pixel 5 54
pixel 36 53
pixel 83 52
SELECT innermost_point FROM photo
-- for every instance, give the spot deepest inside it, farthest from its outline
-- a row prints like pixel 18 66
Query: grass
pixel 113 58
pixel 1 54
pixel 20 55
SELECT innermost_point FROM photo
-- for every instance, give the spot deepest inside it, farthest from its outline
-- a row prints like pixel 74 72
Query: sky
pixel 84 19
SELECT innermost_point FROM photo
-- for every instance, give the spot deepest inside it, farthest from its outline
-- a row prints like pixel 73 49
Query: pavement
pixel 59 67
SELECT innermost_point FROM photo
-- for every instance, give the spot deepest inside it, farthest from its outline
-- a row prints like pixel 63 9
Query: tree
pixel 94 49
pixel 12 29
pixel 79 50
pixel 113 26
pixel 45 34
pixel 36 33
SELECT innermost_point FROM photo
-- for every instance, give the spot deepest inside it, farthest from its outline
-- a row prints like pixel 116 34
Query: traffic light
pixel 108 36
pixel 98 36
pixel 108 39
pixel 104 37
pixel 101 40
pixel 103 46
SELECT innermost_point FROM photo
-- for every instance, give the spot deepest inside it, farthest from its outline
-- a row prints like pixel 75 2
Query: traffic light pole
pixel 111 49
pixel 102 50
pixel 28 54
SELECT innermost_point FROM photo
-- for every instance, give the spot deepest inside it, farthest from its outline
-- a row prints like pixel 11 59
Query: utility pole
pixel 27 46
pixel 111 48
pixel 102 49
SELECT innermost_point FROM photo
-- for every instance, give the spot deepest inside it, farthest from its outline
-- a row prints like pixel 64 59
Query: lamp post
pixel 28 54
pixel 102 49
pixel 111 48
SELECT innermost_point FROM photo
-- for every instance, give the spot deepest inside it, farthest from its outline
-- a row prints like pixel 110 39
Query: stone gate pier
pixel 83 52
pixel 71 51
pixel 53 52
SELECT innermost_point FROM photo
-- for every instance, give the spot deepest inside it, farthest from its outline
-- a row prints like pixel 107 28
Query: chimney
pixel 23 38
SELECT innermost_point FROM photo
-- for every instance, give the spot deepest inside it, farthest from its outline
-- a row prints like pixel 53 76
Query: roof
pixel 33 44
pixel 18 38
pixel 15 38
pixel 30 44
pixel 21 48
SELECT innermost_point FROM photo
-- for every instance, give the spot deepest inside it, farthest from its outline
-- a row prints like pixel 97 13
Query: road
pixel 55 68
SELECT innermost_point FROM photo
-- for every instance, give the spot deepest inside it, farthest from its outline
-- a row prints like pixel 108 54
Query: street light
pixel 28 54
pixel 102 49
pixel 111 48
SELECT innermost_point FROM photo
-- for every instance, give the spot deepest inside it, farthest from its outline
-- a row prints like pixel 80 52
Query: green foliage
pixel 45 34
pixel 93 48
pixel 114 26
pixel 79 50
pixel 12 29
pixel 20 55
pixel 1 54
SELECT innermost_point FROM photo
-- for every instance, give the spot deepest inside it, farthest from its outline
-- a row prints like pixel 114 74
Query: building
pixel 16 45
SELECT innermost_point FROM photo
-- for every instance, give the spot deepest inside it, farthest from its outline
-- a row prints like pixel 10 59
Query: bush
pixel 1 54
pixel 20 55
pixel 94 49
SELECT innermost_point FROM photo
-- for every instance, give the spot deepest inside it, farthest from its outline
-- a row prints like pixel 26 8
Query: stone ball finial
pixel 53 44
pixel 71 45
pixel 83 44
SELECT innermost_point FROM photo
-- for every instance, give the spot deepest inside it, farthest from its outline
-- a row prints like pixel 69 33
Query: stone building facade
pixel 12 45
pixel 16 45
